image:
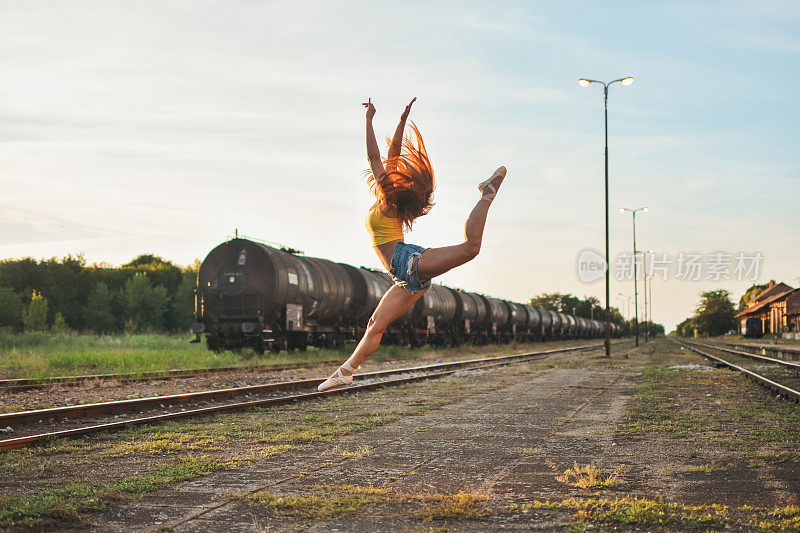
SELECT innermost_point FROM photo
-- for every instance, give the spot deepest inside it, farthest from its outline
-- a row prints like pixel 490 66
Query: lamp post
pixel 635 273
pixel 650 311
pixel 644 310
pixel 584 82
pixel 626 301
pixel 648 297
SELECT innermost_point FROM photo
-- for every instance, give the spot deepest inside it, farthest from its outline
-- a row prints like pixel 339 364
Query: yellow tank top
pixel 383 229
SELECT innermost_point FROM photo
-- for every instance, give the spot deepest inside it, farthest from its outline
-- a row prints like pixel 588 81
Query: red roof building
pixel 793 313
pixel 767 312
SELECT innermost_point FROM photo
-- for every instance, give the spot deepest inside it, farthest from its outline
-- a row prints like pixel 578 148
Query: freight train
pixel 250 294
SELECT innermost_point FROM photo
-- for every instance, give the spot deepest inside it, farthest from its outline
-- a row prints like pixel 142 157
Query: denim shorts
pixel 404 269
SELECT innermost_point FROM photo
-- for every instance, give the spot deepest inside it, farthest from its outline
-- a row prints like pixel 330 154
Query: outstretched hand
pixel 370 109
pixel 408 109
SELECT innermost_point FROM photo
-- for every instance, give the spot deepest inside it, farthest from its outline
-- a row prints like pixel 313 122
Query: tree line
pixel 589 307
pixel 146 294
pixel 715 313
pixel 151 294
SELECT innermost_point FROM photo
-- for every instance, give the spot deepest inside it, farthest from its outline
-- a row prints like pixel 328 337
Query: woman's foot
pixel 338 378
pixel 489 187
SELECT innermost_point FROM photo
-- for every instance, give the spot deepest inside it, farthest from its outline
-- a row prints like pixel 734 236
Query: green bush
pixel 99 311
pixel 144 304
pixel 10 308
pixel 59 325
pixel 34 316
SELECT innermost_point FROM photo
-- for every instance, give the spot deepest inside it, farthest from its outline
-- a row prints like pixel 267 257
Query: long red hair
pixel 409 182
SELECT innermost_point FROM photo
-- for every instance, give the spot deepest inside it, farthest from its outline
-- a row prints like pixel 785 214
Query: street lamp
pixel 635 274
pixel 583 82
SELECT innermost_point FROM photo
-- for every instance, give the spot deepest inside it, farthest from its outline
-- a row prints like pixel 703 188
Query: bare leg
pixel 436 261
pixel 392 306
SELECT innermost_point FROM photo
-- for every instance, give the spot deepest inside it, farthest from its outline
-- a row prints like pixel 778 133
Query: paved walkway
pixel 504 443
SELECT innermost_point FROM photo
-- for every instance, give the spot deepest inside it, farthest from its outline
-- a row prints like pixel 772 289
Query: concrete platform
pixel 491 443
pixel 505 443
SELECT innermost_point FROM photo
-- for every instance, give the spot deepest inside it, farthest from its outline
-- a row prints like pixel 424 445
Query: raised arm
pixel 397 140
pixel 373 152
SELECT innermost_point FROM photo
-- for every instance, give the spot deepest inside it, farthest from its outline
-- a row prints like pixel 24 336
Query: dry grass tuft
pixel 590 477
pixel 464 504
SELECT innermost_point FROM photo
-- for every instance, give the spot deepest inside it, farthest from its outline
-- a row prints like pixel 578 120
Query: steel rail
pixel 442 369
pixel 32 383
pixel 747 354
pixel 782 390
pixel 785 348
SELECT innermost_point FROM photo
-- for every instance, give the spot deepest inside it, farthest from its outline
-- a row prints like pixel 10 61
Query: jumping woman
pixel 403 187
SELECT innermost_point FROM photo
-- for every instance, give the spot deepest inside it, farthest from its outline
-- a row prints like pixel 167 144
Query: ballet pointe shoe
pixel 338 379
pixel 488 188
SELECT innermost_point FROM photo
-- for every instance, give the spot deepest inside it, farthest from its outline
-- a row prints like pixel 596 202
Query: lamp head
pixel 627 81
pixel 584 82
pixel 622 210
pixel 645 209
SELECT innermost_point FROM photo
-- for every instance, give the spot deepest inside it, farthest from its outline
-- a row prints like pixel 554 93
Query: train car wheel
pixel 213 344
pixel 301 341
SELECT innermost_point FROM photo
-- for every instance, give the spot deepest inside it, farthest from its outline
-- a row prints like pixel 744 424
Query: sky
pixel 165 126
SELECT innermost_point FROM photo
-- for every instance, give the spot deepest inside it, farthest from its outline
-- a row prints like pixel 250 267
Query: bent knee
pixel 375 327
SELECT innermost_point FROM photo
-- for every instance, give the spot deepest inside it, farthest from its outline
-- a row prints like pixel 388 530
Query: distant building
pixel 793 313
pixel 775 310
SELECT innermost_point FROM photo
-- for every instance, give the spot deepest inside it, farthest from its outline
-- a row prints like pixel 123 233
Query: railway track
pixel 782 390
pixel 17 384
pixel 759 357
pixel 106 415
pixel 787 352
pixel 21 384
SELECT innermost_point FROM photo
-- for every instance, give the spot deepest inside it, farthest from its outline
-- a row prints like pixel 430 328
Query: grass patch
pixel 323 503
pixel 38 354
pixel 590 477
pixel 713 466
pixel 360 452
pixel 647 513
pixel 463 505
pixel 764 457
pixel 783 519
pixel 152 441
pixel 639 512
pixel 65 503
pixel 528 451
pixel 330 502
pixel 654 410
pixel 71 501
